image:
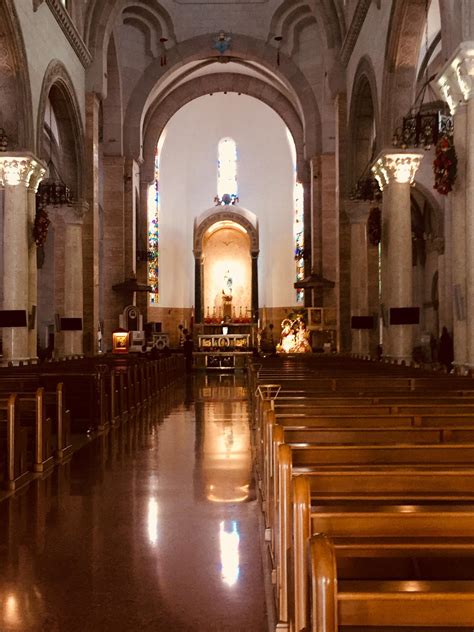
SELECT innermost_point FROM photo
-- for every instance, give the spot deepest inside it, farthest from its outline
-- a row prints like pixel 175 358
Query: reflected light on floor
pixel 230 559
pixel 11 615
pixel 152 522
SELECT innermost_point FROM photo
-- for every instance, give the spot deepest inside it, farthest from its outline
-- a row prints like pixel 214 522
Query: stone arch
pixel 405 30
pixel 163 111
pixel 16 116
pixel 236 214
pixel 58 86
pixel 243 47
pixel 364 112
pixel 100 21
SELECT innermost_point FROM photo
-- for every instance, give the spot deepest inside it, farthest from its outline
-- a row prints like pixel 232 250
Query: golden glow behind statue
pixel 294 337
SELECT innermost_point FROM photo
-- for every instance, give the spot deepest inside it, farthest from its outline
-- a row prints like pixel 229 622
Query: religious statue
pixel 227 296
pixel 294 337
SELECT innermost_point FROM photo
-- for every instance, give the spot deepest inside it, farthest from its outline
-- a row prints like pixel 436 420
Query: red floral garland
pixel 445 165
pixel 41 225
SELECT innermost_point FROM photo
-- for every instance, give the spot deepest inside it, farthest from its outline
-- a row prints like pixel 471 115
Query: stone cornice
pixel 353 31
pixel 69 29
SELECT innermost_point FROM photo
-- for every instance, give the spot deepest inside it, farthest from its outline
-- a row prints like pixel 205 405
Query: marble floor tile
pixel 153 526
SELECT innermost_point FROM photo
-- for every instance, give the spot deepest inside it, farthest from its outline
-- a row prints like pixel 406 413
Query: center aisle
pixel 153 532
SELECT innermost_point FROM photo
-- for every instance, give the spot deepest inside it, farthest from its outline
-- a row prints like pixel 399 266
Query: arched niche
pixel 225 246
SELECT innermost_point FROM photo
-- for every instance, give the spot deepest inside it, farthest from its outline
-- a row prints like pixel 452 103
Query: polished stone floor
pixel 151 527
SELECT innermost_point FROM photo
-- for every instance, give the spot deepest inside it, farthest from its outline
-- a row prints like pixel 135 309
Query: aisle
pixel 143 530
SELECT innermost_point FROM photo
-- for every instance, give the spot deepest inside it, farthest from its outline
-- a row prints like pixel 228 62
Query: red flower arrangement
pixel 445 165
pixel 41 225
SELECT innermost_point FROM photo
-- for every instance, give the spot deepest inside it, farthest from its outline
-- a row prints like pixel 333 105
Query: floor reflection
pixel 153 526
pixel 229 541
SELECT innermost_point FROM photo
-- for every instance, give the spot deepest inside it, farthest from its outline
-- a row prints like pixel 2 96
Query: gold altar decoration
pixel 294 337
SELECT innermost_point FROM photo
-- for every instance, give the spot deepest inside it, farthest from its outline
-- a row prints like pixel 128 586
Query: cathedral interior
pixel 237 315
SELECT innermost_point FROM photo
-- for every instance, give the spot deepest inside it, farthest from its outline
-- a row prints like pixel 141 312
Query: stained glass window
pixel 153 228
pixel 227 170
pixel 299 237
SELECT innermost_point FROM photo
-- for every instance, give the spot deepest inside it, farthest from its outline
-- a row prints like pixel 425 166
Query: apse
pixel 188 187
pixel 227 271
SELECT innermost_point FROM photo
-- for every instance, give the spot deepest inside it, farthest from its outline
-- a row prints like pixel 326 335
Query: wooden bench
pixel 13 445
pixel 366 604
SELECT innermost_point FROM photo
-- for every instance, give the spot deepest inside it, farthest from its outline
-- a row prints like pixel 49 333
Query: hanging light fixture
pixel 428 118
pixel 278 39
pixel 367 187
pixel 163 57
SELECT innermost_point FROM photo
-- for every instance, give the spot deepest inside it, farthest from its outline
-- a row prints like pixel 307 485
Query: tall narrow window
pixel 153 228
pixel 227 191
pixel 299 237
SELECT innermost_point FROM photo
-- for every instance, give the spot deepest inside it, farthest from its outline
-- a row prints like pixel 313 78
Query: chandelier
pixel 425 124
pixel 428 119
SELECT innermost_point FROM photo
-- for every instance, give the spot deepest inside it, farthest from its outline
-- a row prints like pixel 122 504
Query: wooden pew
pixel 368 604
pixel 33 417
pixel 13 445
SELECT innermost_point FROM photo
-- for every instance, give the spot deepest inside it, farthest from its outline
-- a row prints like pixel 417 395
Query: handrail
pixel 284 523
pixel 40 419
pixel 12 436
pixel 301 534
pixel 323 584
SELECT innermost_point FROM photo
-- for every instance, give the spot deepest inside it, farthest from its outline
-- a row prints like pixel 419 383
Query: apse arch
pixel 163 111
pixel 16 116
pixel 58 87
pixel 243 48
pixel 187 183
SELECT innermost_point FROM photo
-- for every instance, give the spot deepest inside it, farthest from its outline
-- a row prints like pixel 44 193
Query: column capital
pixel 358 210
pixel 396 166
pixel 21 168
pixel 456 79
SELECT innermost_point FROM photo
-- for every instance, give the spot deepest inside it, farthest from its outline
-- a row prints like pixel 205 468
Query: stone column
pixel 36 178
pixel 198 309
pixel 18 172
pixel 456 82
pixel 395 172
pixel 73 275
pixel 92 280
pixel 358 213
pixel 255 286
